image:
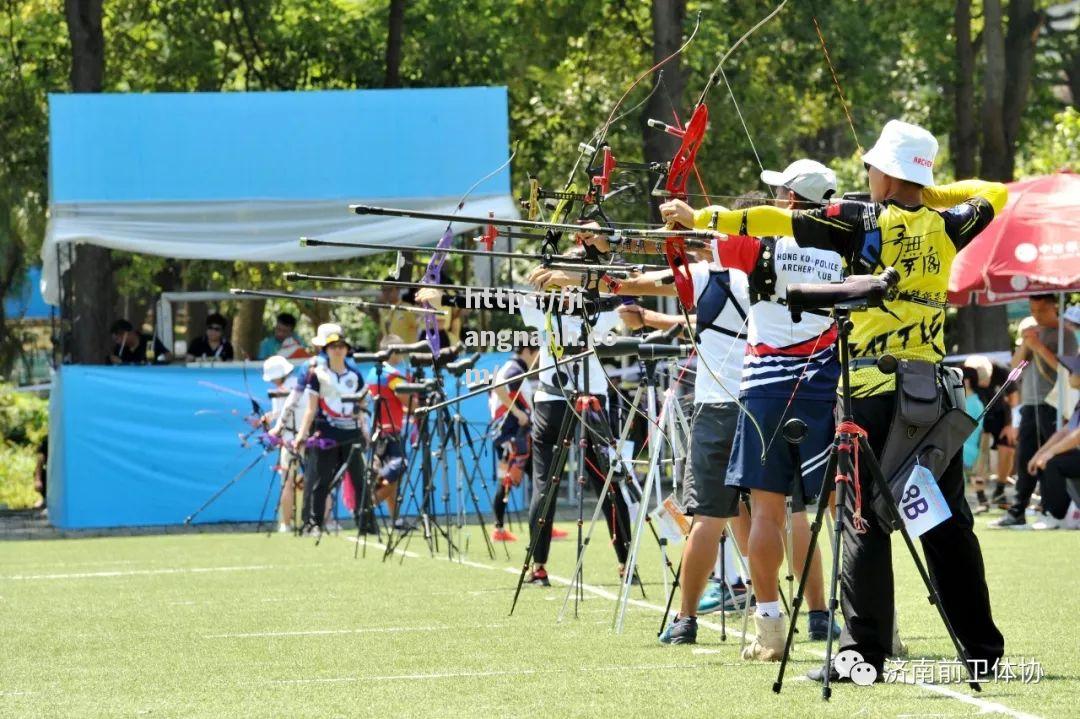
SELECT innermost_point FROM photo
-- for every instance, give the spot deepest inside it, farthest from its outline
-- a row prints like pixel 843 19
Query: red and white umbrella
pixel 1031 247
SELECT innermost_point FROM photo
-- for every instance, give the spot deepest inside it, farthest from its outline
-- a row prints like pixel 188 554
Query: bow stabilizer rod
pixel 703 237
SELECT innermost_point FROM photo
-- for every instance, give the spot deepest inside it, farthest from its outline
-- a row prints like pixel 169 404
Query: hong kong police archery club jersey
pixel 782 355
pixel 919 242
pixel 332 389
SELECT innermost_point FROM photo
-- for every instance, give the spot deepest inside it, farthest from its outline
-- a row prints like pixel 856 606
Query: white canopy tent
pixel 242 176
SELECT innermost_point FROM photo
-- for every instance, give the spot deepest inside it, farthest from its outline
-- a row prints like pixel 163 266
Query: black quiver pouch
pixel 929 427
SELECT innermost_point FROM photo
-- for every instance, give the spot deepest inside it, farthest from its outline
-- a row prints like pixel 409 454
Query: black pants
pixel 322 466
pixel 498 505
pixel 953 558
pixel 547 418
pixel 1037 423
pixel 1054 481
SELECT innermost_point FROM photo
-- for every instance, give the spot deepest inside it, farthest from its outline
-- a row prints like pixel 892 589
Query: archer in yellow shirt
pixel 916 228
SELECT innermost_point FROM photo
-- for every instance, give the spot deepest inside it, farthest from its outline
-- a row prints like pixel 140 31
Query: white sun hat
pixel 1072 314
pixel 276 367
pixel 806 178
pixel 325 331
pixel 904 151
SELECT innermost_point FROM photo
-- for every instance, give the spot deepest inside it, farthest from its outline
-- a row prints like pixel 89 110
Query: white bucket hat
pixel 1072 314
pixel 276 367
pixel 904 151
pixel 806 178
pixel 324 332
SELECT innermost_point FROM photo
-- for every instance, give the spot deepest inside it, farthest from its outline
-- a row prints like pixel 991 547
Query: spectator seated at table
pixel 283 341
pixel 131 347
pixel 212 345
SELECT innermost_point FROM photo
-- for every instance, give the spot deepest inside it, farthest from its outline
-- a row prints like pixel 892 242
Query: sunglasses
pixel 217 328
pixel 337 346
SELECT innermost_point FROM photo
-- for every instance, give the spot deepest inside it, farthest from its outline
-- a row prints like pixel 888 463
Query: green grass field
pixel 240 625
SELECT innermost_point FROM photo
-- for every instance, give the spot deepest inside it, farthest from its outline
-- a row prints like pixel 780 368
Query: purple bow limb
pixel 432 276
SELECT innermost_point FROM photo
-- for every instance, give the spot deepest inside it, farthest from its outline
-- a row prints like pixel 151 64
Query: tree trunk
pixel 11 268
pixel 247 328
pixel 1024 25
pixel 1006 85
pixel 1072 75
pixel 996 154
pixel 965 136
pixel 394 35
pixel 667 24
pixel 92 285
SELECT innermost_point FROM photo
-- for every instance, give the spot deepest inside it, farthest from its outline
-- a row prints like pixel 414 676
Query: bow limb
pixel 433 272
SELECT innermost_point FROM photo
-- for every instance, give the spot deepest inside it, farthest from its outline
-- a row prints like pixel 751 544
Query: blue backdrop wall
pixel 136 446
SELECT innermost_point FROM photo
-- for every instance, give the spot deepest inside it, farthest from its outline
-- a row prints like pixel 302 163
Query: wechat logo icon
pixel 849 664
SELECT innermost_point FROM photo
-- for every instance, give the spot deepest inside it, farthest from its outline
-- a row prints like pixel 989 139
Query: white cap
pixel 276 367
pixel 325 331
pixel 806 178
pixel 1072 314
pixel 904 151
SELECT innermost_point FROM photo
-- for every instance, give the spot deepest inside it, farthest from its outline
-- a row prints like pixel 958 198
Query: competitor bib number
pixel 922 504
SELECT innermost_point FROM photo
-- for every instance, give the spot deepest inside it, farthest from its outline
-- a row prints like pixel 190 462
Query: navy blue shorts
pixel 745 468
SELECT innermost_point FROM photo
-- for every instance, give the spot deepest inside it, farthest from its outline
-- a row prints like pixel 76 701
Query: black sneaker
pixel 538 577
pixel 1009 520
pixel 817 674
pixel 683 630
pixel 817 624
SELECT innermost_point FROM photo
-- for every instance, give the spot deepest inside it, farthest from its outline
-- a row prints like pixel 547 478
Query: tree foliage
pixel 565 63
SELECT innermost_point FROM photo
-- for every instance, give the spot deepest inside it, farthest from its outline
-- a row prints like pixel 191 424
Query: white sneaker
pixel 1072 517
pixel 1047 522
pixel 284 528
pixel 333 527
pixel 768 645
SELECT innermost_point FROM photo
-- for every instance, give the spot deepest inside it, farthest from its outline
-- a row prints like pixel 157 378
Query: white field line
pixel 985 706
pixel 358 630
pixel 499 673
pixel 323 632
pixel 140 572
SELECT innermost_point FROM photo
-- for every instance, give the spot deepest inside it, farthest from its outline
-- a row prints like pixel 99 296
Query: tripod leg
pixel 897 523
pixel 845 472
pixel 551 490
pixel 406 488
pixel 670 599
pixel 239 475
pixel 627 425
pixel 285 478
pixel 790 553
pixel 465 440
pixel 746 570
pixel 266 499
pixel 627 585
pixel 364 503
pixel 724 584
pixel 815 531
